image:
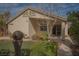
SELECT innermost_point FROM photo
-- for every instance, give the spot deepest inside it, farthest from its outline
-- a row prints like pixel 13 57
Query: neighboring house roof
pixel 38 11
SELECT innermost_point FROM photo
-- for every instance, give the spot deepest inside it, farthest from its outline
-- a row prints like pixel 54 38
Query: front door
pixel 56 30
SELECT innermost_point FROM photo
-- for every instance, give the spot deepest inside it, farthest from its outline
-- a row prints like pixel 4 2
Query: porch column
pixel 52 23
pixel 63 31
pixel 48 28
pixel 66 29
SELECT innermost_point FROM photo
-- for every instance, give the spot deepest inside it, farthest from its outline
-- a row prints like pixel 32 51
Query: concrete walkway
pixel 9 38
pixel 5 38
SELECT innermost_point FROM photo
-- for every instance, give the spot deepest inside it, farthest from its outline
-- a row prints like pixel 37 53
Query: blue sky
pixel 58 9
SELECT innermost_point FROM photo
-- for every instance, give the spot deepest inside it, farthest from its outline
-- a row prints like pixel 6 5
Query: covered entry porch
pixel 54 28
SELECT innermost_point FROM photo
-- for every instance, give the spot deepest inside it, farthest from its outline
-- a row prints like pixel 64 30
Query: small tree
pixel 3 18
pixel 2 24
pixel 44 48
pixel 73 17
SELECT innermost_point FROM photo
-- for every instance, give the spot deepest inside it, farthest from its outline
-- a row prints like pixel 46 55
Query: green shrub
pixel 4 52
pixel 43 36
pixel 7 52
pixel 43 48
pixel 73 17
pixel 25 52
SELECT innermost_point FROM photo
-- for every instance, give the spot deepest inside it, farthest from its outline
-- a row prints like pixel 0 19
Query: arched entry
pixel 56 30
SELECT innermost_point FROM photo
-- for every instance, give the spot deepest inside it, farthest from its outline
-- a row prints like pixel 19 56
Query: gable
pixel 35 14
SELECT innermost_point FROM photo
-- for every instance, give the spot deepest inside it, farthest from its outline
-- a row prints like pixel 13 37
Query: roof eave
pixel 53 16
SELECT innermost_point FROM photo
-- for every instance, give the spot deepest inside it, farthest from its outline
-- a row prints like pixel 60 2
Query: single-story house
pixel 32 22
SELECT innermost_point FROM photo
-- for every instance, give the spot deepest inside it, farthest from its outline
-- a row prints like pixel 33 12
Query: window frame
pixel 43 26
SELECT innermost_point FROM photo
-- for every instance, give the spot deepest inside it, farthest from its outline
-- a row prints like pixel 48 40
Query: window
pixel 56 30
pixel 43 26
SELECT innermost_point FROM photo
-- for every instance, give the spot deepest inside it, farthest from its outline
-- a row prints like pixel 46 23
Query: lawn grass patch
pixel 29 48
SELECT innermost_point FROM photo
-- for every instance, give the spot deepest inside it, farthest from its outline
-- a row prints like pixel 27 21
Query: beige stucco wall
pixel 19 24
pixel 32 28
